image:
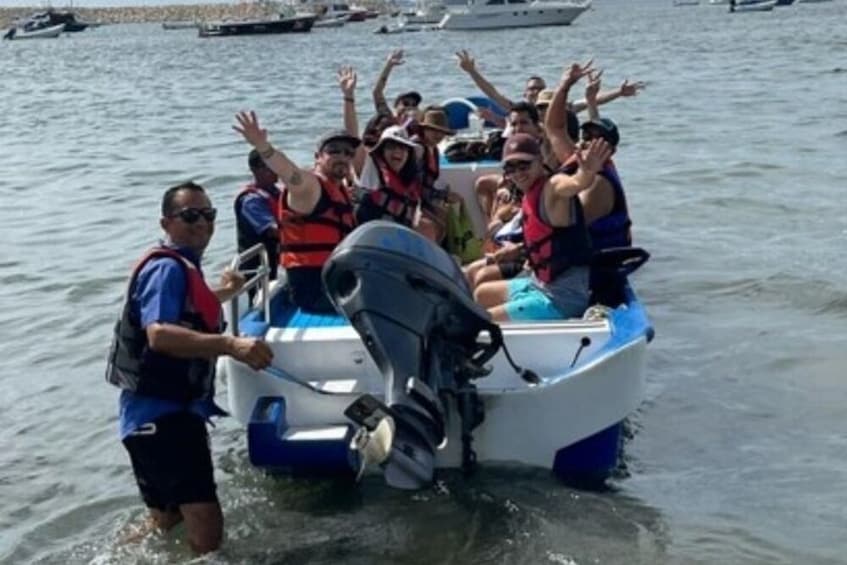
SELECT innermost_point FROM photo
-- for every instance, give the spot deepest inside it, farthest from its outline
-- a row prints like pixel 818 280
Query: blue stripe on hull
pixel 591 459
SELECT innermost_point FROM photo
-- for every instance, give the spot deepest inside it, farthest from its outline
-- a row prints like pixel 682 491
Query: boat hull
pixel 531 15
pixel 540 425
pixel 283 25
pixel 43 33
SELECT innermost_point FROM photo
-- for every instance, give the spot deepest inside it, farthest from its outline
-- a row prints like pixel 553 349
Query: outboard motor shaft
pixel 410 303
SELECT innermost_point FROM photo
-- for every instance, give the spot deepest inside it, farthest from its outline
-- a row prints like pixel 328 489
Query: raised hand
pixel 395 59
pixel 248 127
pixel 466 62
pixel 254 352
pixel 594 156
pixel 593 87
pixel 347 80
pixel 576 72
pixel 632 89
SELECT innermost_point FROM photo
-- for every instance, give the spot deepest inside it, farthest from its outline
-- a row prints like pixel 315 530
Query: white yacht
pixel 499 14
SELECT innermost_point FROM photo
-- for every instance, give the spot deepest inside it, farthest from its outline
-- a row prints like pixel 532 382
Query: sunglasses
pixel 516 166
pixel 191 215
pixel 335 151
pixel 408 103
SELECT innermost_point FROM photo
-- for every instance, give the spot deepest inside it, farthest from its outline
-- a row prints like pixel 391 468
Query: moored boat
pixel 175 25
pixel 498 14
pixel 34 32
pixel 293 24
pixel 751 5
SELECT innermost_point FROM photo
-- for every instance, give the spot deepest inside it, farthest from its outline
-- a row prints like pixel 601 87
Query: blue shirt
pixel 157 296
pixel 256 211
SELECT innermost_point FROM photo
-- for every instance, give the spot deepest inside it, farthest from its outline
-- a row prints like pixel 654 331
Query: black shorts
pixel 172 462
pixel 511 269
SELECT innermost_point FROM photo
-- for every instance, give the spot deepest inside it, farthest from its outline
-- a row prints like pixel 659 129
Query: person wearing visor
pixel 405 104
pixel 162 358
pixel 317 212
pixel 556 241
pixel 390 181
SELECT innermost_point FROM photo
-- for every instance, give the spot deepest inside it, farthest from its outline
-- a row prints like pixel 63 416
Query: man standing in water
pixel 163 358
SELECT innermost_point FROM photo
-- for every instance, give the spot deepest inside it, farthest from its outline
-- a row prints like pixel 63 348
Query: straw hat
pixel 544 98
pixel 436 118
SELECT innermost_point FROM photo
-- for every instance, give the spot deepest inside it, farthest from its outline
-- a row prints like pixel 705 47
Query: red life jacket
pixel 394 198
pixel 308 240
pixel 133 366
pixel 431 168
pixel 553 250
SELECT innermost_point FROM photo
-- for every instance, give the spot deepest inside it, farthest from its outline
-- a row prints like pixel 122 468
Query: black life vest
pixel 133 366
pixel 613 229
pixel 246 235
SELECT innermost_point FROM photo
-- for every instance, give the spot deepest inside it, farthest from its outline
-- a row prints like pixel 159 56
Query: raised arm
pixel 591 91
pixel 467 64
pixel 394 60
pixel 555 121
pixel 303 186
pixel 625 90
pixel 347 83
pixel 565 186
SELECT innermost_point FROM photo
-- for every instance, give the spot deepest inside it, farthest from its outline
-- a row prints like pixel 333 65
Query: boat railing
pixel 255 278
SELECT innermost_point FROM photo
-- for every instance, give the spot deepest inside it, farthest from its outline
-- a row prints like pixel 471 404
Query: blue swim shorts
pixel 527 302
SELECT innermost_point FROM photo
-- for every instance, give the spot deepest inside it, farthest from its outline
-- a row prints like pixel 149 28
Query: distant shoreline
pixel 147 14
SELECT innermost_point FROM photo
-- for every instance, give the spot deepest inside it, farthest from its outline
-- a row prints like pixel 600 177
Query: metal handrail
pixel 257 277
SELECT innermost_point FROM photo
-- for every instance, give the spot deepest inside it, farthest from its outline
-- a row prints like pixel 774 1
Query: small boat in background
pixel 686 2
pixel 34 32
pixel 170 26
pixel 426 13
pixel 294 24
pixel 751 5
pixel 784 2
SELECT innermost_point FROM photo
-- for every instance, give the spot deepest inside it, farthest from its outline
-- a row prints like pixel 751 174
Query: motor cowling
pixel 411 305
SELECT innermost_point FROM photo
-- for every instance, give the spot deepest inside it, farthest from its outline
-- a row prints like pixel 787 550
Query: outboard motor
pixel 410 303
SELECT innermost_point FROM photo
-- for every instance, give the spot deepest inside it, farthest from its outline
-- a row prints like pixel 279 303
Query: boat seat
pixel 286 315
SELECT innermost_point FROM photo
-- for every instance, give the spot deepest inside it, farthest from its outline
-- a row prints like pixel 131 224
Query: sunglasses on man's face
pixel 339 150
pixel 516 166
pixel 192 215
pixel 409 103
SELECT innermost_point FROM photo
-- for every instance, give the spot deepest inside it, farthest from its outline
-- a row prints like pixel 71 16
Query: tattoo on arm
pixel 295 178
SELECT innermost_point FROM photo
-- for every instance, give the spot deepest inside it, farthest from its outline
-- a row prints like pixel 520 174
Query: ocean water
pixel 735 160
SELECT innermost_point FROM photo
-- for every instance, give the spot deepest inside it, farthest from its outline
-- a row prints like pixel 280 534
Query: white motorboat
pixel 499 14
pixel 412 375
pixel 331 21
pixel 679 3
pixel 35 32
